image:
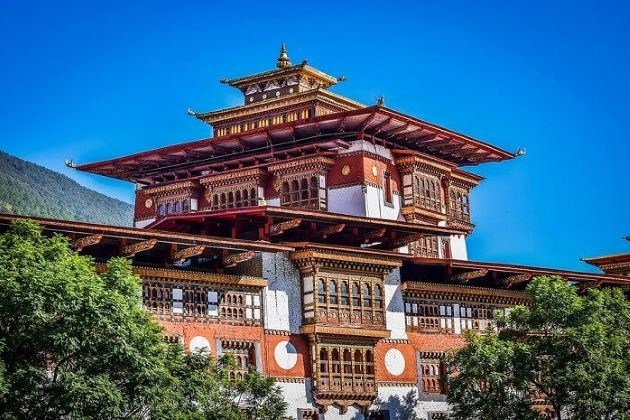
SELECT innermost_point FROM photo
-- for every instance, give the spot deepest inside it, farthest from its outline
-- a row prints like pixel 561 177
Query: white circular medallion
pixel 199 344
pixel 374 170
pixel 394 362
pixel 285 355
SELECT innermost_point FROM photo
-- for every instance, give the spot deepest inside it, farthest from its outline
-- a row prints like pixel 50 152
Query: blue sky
pixel 91 81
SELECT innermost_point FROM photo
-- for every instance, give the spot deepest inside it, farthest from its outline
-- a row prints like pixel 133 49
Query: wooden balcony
pixel 421 207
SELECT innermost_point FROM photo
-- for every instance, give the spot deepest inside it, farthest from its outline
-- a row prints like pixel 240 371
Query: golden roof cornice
pixel 312 259
pixel 233 177
pixel 310 163
pixel 303 69
pixel 184 186
pixel 439 291
pixel 151 273
pixel 315 329
pixel 253 109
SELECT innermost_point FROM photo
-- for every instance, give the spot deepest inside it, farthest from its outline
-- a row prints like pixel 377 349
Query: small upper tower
pixel 285 94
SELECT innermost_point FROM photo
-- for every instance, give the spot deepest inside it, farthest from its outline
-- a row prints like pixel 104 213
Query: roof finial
pixel 283 59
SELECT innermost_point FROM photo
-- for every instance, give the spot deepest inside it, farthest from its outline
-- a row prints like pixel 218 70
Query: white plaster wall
pixel 273 201
pixel 298 396
pixel 283 302
pixel 375 204
pixel 404 401
pixel 143 223
pixel 458 247
pixel 334 413
pixel 395 306
pixel 347 200
pixel 359 145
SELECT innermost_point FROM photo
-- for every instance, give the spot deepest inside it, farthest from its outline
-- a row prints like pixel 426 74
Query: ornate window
pixel 459 203
pixel 426 246
pixel 161 210
pixel 378 296
pixel 321 291
pixel 332 292
pixel 387 188
pixel 343 301
pixel 432 372
pixel 202 302
pixel 169 208
pixel 344 293
pixel 427 192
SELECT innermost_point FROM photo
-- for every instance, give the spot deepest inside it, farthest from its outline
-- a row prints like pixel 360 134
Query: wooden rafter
pixel 469 275
pixel 279 228
pixel 395 131
pixel 234 259
pixel 184 254
pixel 377 128
pixel 133 249
pixel 79 244
pixel 331 230
pixel 367 121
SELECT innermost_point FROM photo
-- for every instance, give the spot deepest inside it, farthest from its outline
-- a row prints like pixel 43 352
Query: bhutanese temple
pixel 319 240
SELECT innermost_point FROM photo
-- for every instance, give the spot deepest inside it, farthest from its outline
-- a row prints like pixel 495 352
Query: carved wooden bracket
pixel 515 279
pixel 470 275
pixel 375 234
pixel 590 284
pixel 331 230
pixel 233 259
pixel 184 254
pixel 86 241
pixel 279 228
pixel 133 249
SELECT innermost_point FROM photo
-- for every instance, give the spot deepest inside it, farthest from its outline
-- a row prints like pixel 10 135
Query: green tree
pixel 569 349
pixel 73 344
pixel 207 389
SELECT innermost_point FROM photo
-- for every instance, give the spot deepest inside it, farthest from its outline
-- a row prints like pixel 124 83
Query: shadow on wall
pixel 399 409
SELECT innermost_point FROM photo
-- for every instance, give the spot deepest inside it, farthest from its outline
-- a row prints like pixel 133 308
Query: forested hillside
pixel 29 189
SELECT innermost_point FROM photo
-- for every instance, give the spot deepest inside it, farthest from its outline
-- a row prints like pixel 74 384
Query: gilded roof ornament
pixel 283 59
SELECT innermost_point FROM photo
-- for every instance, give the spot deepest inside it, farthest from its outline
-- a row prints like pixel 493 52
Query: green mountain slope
pixel 29 189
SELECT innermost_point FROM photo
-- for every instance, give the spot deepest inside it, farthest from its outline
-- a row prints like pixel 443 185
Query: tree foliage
pixel 77 345
pixel 570 350
pixel 207 389
pixel 72 343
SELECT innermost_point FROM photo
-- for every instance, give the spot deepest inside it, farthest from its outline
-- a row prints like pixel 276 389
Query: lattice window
pixel 202 302
pixel 459 204
pixel 345 368
pixel 450 317
pixel 348 301
pixel 302 192
pixel 432 376
pixel 437 415
pixel 235 198
pixel 425 247
pixel 427 192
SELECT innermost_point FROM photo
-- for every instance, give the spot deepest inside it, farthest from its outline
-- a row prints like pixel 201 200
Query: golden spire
pixel 283 59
